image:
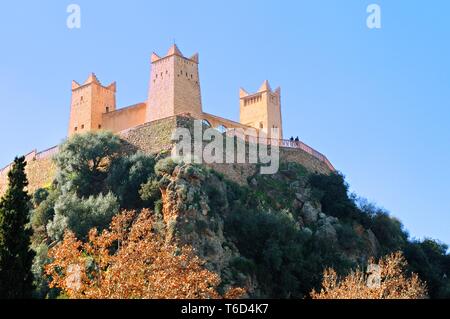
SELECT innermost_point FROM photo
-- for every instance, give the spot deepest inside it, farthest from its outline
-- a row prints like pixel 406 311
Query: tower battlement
pixel 89 101
pixel 262 110
pixel 174 85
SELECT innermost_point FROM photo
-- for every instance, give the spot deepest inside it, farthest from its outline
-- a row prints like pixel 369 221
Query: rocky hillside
pixel 218 218
pixel 270 234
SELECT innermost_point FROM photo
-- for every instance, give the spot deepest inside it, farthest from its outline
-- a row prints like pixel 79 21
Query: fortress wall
pixel 40 173
pixel 299 156
pixel 153 137
pixel 124 118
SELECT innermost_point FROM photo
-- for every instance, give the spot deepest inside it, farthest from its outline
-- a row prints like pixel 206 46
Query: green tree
pixel 126 176
pixel 429 258
pixel 332 191
pixel 84 160
pixel 16 257
pixel 81 214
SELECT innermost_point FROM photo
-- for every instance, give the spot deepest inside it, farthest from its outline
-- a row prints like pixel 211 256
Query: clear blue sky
pixel 376 102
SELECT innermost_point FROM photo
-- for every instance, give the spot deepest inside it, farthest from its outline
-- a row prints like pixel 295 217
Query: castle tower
pixel 174 86
pixel 262 110
pixel 89 101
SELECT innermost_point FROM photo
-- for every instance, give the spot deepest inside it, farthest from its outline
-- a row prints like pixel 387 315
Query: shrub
pixel 80 215
pixel 44 212
pixel 39 196
pixel 391 282
pixel 84 160
pixel 429 259
pixel 126 176
pixel 125 271
pixel 150 192
pixel 165 166
pixel 333 191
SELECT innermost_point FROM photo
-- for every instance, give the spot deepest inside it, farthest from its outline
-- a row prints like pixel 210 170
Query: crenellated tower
pixel 89 101
pixel 174 85
pixel 262 110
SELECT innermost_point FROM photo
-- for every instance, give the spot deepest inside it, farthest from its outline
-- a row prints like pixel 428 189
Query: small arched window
pixel 221 129
pixel 261 125
pixel 206 123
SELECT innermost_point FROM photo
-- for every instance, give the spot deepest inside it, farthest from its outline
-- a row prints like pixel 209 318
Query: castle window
pixel 261 125
pixel 206 123
pixel 76 128
pixel 192 76
pixel 222 129
pixel 82 126
pixel 81 99
pixel 107 109
pixel 99 126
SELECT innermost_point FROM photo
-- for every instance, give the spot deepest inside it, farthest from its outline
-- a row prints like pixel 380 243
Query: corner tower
pixel 89 101
pixel 262 110
pixel 174 86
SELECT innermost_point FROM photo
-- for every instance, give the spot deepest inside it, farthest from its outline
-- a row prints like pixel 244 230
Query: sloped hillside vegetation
pixel 274 237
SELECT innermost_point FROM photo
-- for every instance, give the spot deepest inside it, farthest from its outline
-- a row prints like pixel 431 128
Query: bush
pixel 44 212
pixel 150 192
pixel 348 239
pixel 40 280
pixel 243 265
pixel 430 260
pixel 80 215
pixel 39 196
pixel 388 230
pixel 127 175
pixel 333 192
pixel 165 166
pixel 84 160
pixel 394 283
pixel 273 243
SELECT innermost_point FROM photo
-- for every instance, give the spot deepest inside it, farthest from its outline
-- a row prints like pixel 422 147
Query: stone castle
pixel 174 100
pixel 174 89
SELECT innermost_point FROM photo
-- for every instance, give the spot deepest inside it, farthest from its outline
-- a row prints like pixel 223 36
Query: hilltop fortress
pixel 174 100
pixel 174 89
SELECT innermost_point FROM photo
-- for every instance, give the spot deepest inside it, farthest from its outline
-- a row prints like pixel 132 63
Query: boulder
pixel 309 213
pixel 327 232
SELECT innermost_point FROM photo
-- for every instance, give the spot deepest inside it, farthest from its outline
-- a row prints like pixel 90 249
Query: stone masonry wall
pixel 153 137
pixel 40 173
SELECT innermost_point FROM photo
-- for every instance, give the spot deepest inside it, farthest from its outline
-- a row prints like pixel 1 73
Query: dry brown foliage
pixel 393 283
pixel 131 260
